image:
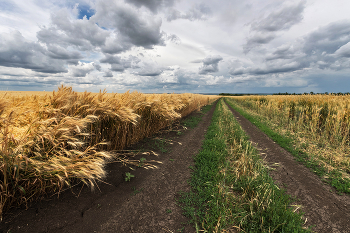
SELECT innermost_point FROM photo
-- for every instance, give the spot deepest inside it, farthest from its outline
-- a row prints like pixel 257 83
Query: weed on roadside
pixel 128 176
pixel 142 162
pixel 181 229
pixel 135 191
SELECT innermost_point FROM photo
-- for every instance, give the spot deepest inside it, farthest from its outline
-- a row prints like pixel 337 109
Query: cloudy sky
pixel 196 46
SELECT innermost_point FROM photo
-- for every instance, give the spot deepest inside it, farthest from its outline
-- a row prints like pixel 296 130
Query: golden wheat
pixel 48 140
pixel 320 123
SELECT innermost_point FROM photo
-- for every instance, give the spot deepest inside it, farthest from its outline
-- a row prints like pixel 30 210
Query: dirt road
pixel 147 203
pixel 323 208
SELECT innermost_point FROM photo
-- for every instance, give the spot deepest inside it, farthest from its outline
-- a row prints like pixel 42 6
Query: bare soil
pixel 146 203
pixel 324 208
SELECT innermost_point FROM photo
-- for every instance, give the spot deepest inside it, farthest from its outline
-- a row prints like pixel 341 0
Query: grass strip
pixel 231 189
pixel 193 121
pixel 333 178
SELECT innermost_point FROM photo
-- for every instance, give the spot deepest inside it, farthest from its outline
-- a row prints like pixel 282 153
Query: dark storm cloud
pixel 283 52
pixel 266 29
pixel 274 66
pixel 134 27
pixel 150 72
pixel 108 74
pixel 112 27
pixel 327 48
pixel 197 12
pixel 212 60
pixel 153 5
pixel 111 59
pixel 344 51
pixel 83 33
pixel 237 71
pixel 261 38
pixel 290 67
pixel 210 64
pixel 97 66
pixel 283 19
pixel 208 69
pixel 258 39
pixel 80 73
pixel 115 46
pixel 59 52
pixel 120 64
pixel 9 74
pixel 328 39
pixel 15 51
pixel 117 67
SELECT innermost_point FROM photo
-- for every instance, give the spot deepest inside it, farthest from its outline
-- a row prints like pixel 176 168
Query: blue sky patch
pixel 101 27
pixel 85 10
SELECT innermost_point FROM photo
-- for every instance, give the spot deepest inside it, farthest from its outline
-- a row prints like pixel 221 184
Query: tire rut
pixel 324 209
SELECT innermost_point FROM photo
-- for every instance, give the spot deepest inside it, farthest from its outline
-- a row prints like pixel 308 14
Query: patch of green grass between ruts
pixel 231 188
pixel 334 178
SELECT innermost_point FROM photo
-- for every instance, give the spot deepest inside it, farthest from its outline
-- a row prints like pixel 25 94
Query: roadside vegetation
pixel 193 121
pixel 49 141
pixel 231 187
pixel 314 128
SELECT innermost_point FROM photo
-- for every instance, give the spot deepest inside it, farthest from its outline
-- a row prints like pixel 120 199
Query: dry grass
pixel 49 140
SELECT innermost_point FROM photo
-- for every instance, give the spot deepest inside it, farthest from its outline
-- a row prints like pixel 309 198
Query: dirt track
pixel 323 208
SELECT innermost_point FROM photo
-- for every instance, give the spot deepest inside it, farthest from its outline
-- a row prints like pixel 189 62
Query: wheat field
pixel 319 123
pixel 49 139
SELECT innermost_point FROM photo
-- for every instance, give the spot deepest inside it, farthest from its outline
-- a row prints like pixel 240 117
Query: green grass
pixel 231 189
pixel 193 121
pixel 160 144
pixel 334 178
pixel 135 191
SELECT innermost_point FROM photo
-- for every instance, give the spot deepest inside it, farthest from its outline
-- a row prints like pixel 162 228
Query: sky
pixel 166 46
